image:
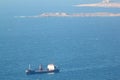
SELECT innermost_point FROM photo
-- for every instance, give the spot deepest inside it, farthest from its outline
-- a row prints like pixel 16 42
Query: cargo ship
pixel 51 68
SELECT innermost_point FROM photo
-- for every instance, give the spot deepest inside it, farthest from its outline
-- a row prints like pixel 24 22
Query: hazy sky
pixel 23 7
pixel 26 4
pixel 35 5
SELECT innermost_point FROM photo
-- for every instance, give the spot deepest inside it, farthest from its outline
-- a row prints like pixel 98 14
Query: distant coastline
pixel 63 14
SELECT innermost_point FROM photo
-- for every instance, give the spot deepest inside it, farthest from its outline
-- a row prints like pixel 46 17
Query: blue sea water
pixel 84 48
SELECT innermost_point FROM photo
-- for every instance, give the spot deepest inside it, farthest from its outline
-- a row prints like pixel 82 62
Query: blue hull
pixel 30 72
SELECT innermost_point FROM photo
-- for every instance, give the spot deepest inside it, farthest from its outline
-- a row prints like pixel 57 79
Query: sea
pixel 84 48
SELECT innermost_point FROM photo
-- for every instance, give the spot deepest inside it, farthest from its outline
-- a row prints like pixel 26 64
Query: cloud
pixel 63 14
pixel 104 3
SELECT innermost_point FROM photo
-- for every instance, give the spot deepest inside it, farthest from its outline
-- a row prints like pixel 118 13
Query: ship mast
pixel 40 67
pixel 29 67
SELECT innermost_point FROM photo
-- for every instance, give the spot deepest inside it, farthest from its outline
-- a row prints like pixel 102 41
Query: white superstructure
pixel 51 67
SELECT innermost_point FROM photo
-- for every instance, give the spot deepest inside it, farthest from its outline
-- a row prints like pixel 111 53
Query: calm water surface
pixel 85 48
